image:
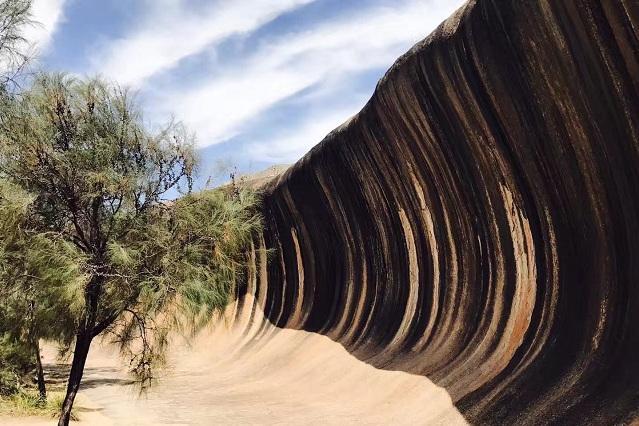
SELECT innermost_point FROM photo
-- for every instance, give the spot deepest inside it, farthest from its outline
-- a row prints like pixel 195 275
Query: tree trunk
pixel 35 345
pixel 82 345
pixel 42 387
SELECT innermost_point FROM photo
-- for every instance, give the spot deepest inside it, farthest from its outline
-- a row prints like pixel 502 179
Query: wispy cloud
pixel 317 59
pixel 270 77
pixel 290 144
pixel 47 16
pixel 174 29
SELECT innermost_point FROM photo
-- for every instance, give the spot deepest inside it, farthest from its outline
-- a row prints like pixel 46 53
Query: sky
pixel 259 82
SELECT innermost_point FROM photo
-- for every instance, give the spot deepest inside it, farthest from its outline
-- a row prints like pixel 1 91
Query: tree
pixel 100 182
pixel 36 268
pixel 14 17
pixel 21 310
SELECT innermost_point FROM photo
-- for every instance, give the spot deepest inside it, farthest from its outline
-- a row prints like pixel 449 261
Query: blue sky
pixel 259 81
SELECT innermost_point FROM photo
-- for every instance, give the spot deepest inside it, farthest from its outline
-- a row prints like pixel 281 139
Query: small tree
pixel 15 354
pixel 36 269
pixel 100 182
pixel 14 17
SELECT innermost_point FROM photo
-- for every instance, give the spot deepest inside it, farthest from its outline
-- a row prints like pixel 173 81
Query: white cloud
pixel 291 144
pixel 174 30
pixel 47 16
pixel 322 57
pixel 330 52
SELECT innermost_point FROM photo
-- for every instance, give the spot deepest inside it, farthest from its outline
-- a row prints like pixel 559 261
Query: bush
pixel 28 403
pixel 16 362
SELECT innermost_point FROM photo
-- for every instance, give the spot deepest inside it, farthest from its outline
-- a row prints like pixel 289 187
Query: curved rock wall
pixel 478 221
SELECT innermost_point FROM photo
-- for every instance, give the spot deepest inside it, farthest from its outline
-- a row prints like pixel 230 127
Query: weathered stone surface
pixel 478 221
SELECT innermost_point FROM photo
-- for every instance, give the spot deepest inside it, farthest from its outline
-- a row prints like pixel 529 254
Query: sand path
pixel 283 377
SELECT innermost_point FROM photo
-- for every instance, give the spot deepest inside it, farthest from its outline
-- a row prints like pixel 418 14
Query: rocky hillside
pixel 477 222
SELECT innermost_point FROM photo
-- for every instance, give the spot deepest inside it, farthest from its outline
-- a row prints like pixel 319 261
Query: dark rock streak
pixel 478 221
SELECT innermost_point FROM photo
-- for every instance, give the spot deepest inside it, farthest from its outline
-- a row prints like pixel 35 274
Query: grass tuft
pixel 28 403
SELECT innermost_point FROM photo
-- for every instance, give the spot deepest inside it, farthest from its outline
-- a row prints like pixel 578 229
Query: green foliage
pixel 39 272
pixel 82 148
pixel 29 403
pixel 16 360
pixel 187 261
pixel 92 243
pixel 36 270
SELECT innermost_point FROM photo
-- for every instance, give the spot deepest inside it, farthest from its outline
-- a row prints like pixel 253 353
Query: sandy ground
pixel 231 377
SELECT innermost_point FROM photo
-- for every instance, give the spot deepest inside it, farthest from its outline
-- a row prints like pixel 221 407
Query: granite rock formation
pixel 477 222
